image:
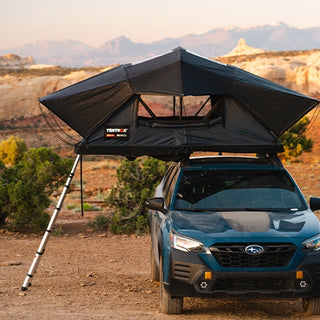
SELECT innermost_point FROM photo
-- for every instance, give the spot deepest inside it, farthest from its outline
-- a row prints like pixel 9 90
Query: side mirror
pixel 156 204
pixel 314 203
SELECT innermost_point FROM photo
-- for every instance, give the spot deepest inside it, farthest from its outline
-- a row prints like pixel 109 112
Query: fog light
pixel 204 285
pixel 303 284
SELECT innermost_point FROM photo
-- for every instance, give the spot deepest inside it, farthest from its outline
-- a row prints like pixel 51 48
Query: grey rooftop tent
pixel 237 112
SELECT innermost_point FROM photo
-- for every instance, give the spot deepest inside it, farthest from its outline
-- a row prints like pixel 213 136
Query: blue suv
pixel 233 227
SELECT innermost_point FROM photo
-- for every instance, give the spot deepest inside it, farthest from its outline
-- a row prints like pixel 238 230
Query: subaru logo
pixel 254 249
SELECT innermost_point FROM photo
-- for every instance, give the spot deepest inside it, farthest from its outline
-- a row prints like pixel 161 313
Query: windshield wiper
pixel 234 209
pixel 210 209
pixel 195 209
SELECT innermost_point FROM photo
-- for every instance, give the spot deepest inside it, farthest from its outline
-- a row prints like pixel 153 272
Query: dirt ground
pixel 85 274
pixel 101 276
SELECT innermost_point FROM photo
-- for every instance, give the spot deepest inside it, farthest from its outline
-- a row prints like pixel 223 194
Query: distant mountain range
pixel 217 42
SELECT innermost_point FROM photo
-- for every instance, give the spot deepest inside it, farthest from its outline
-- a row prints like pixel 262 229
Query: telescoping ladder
pixel 41 249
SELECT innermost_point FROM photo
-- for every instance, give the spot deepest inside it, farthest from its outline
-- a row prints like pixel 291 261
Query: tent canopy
pixel 243 112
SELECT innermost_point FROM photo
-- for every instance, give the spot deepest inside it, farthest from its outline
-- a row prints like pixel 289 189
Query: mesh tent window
pixel 173 109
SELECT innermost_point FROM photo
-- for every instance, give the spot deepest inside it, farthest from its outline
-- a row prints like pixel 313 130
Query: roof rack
pixel 267 157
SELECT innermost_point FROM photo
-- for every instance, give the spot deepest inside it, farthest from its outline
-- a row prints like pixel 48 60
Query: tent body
pixel 246 113
pixel 126 134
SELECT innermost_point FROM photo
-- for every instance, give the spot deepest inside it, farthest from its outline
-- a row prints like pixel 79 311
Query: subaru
pixel 233 227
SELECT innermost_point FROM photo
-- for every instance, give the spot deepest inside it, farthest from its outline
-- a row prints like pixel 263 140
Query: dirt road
pixel 100 276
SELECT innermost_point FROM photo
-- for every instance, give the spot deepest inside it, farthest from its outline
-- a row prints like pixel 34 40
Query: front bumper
pixel 189 276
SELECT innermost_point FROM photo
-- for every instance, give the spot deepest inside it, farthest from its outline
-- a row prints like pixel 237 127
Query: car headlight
pixel 312 244
pixel 185 244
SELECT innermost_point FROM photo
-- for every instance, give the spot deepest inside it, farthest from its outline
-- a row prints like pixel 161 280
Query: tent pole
pixel 81 186
pixel 41 249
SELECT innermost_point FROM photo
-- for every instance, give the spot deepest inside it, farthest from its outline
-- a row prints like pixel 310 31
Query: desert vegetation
pixel 52 71
pixel 27 179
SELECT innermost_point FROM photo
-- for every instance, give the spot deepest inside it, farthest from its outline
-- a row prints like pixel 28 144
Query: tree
pixel 136 183
pixel 295 141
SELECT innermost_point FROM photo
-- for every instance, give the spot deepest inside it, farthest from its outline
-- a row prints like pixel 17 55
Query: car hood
pixel 232 224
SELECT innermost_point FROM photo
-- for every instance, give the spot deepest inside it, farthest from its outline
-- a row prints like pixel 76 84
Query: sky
pixel 95 22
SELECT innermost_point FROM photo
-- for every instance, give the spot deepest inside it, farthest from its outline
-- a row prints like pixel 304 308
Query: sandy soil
pixel 98 276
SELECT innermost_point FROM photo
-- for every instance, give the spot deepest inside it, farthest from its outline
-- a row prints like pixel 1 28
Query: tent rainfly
pixel 177 103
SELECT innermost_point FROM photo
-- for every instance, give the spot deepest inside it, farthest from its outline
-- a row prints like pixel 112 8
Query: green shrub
pixel 136 182
pixel 100 223
pixel 28 204
pixel 90 207
pixel 5 178
pixel 25 188
pixel 70 206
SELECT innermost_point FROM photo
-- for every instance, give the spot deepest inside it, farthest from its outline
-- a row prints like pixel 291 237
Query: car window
pixel 226 189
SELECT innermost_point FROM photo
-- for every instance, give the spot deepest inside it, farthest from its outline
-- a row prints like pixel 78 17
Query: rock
pixel 20 94
pixel 10 263
pixel 13 61
pixel 300 72
pixel 243 49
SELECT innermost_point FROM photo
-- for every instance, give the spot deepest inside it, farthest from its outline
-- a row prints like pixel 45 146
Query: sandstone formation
pixel 13 61
pixel 243 49
pixel 20 94
pixel 299 71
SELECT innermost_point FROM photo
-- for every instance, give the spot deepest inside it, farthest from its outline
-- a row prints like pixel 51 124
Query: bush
pixel 100 223
pixel 4 193
pixel 12 150
pixel 295 141
pixel 26 186
pixel 136 183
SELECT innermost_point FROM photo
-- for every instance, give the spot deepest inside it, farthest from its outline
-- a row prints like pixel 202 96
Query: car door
pixel 157 217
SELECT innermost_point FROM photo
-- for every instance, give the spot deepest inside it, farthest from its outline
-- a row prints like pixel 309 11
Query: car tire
pixel 154 272
pixel 311 306
pixel 168 304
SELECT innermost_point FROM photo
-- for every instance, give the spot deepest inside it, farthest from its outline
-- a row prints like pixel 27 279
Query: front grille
pixel 233 255
pixel 248 284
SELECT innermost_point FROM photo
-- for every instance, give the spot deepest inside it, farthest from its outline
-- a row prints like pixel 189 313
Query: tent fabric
pixel 91 105
pixel 238 132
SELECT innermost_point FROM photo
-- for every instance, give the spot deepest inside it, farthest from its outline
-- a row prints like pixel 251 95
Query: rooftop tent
pixel 175 104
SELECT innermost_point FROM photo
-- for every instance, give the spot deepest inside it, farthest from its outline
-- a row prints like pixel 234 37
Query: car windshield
pixel 230 189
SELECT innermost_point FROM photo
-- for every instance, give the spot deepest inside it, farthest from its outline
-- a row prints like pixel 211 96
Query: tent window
pixel 168 109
